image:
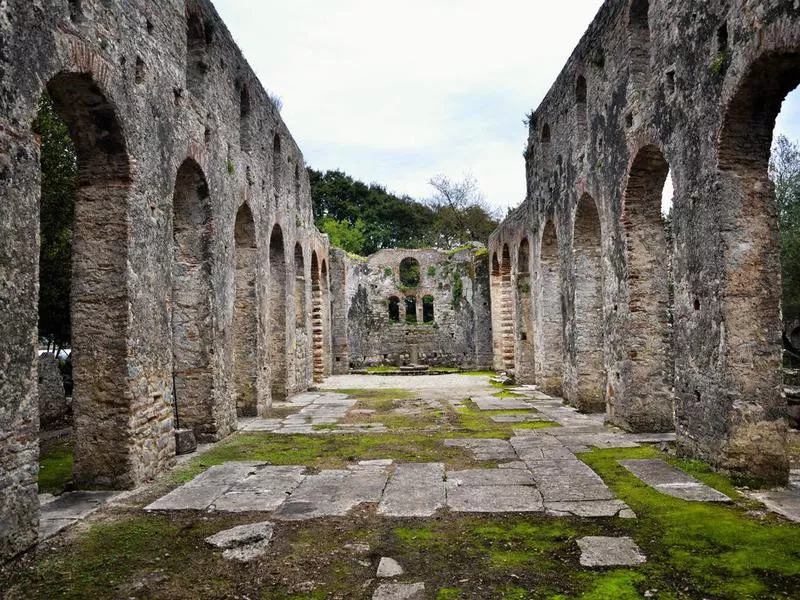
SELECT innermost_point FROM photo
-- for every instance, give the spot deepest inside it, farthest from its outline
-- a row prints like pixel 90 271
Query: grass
pixel 55 466
pixel 694 550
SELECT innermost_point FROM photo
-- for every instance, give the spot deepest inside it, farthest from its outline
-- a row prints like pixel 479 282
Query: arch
pixel 646 404
pixel 409 272
pixel 427 309
pixel 550 349
pixel 245 315
pixel 580 101
pixel 99 300
pixel 245 118
pixel 495 265
pixel 587 392
pixel 326 317
pixel 506 311
pixel 198 38
pixel 277 174
pixel 277 315
pixel 411 309
pixel 317 320
pixel 751 283
pixel 394 309
pixel 192 338
pixel 299 287
pixel 524 358
pixel 639 40
pixel 297 187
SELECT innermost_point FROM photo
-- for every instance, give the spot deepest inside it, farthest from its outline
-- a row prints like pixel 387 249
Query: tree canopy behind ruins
pixel 363 219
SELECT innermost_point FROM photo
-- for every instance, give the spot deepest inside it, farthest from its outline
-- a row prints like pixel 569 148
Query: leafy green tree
pixel 343 235
pixel 784 170
pixel 59 180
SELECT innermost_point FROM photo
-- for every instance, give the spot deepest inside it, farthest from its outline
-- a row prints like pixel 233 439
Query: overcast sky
pixel 396 93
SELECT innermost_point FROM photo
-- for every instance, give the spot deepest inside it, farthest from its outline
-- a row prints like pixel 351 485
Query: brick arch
pixel 317 319
pixel 587 389
pixel 192 336
pixel 99 299
pixel 524 354
pixel 550 322
pixel 506 310
pixel 647 403
pixel 748 304
pixel 245 314
pixel 277 314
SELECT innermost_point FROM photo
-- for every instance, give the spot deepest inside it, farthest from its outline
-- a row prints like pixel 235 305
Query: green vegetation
pixel 59 181
pixel 458 290
pixel 382 369
pixel 55 466
pixel 363 218
pixel 431 271
pixel 784 171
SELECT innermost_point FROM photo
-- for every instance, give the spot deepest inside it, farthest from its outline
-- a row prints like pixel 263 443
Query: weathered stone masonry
pixel 193 238
pixel 653 86
pixel 441 318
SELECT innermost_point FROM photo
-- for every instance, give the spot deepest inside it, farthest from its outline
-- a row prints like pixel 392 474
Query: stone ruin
pixel 203 292
pixel 199 280
pixel 659 326
pixel 406 307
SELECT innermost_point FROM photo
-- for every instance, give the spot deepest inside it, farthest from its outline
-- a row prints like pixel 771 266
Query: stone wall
pixel 657 86
pixel 54 411
pixel 440 320
pixel 185 170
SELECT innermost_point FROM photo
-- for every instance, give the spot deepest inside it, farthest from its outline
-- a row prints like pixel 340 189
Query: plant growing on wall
pixel 458 290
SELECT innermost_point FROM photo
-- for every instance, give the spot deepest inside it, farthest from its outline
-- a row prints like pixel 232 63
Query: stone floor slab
pixel 400 591
pixel 495 403
pixel 244 542
pixel 588 509
pixel 598 551
pixel 75 505
pixel 568 481
pixel 485 449
pixel 784 502
pixel 671 481
pixel 493 498
pixel 50 527
pixel 414 490
pixel 493 477
pixel 189 497
pixel 517 418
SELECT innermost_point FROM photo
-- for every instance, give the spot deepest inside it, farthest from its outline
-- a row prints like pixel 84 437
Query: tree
pixel 784 170
pixel 461 212
pixel 57 210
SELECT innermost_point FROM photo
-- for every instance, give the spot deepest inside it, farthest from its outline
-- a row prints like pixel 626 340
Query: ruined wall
pixel 447 324
pixel 54 411
pixel 653 86
pixel 144 87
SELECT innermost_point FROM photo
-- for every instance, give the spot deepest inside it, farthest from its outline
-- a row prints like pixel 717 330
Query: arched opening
pixel 277 314
pixel 198 38
pixel 317 320
pixel 409 273
pixel 647 403
pixel 98 305
pixel 245 120
pixel 276 165
pixel 299 287
pixel 411 310
pixel 639 40
pixel 580 101
pixel 525 367
pixel 394 309
pixel 326 317
pixel 546 134
pixel 192 375
pixel 245 316
pixel 588 391
pixel 427 309
pixel 297 188
pixel 550 349
pixel 507 311
pixel 751 285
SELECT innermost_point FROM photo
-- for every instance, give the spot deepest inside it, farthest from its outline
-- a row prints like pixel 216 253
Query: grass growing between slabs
pixel 694 550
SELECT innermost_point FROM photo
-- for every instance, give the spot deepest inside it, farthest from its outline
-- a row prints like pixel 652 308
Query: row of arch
pixel 191 310
pixel 409 313
pixel 552 332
